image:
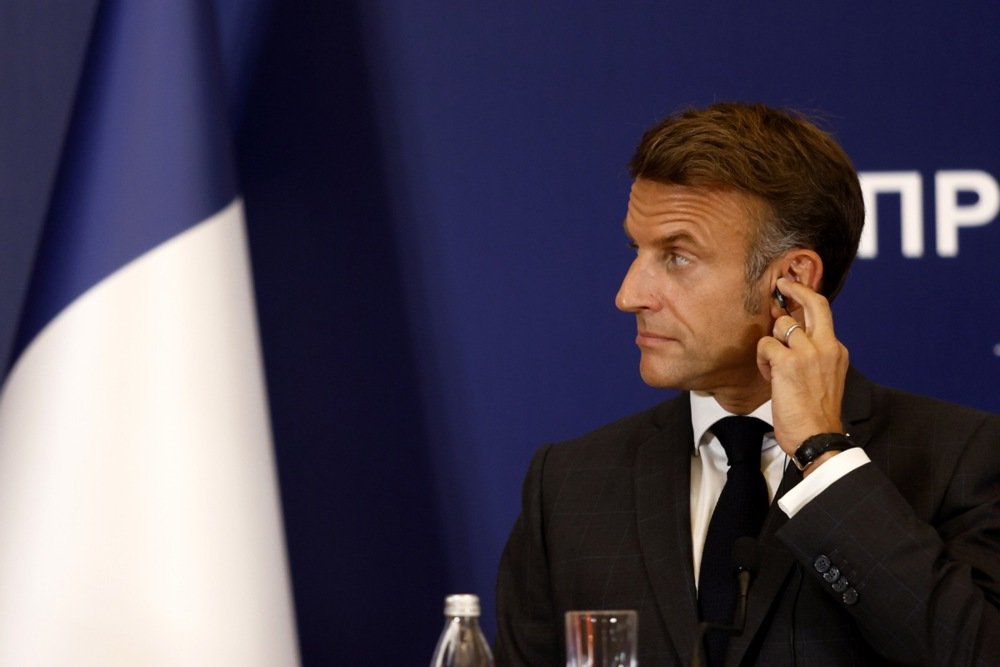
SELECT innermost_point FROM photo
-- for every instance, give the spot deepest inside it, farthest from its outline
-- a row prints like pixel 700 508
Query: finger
pixel 789 336
pixel 815 307
pixel 785 328
pixel 768 349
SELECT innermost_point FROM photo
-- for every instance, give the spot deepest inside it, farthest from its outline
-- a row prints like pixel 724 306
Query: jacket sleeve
pixel 527 630
pixel 922 589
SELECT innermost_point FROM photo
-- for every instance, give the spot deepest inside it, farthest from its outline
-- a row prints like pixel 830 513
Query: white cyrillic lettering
pixel 950 215
pixel 909 186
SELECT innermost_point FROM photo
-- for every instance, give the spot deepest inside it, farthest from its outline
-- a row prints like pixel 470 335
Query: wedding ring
pixel 788 332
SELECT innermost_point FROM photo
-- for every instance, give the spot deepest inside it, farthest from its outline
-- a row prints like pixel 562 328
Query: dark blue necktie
pixel 740 512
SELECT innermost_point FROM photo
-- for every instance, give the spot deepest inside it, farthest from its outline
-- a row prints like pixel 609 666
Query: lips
pixel 646 337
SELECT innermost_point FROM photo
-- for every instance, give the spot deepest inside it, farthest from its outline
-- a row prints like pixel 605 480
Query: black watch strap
pixel 815 446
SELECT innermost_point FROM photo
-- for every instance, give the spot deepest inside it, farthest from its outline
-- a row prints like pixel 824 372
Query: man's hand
pixel 806 366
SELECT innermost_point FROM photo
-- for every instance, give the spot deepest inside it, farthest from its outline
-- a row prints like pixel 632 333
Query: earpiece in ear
pixel 781 299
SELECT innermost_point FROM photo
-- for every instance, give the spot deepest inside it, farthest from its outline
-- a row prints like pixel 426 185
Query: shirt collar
pixel 705 411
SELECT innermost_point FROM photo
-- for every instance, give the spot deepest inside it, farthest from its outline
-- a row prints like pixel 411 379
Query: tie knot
pixel 741 437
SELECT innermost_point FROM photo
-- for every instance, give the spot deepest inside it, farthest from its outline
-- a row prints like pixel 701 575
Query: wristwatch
pixel 815 446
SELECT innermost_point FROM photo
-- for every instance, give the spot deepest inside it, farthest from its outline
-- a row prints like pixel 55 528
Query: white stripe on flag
pixel 139 519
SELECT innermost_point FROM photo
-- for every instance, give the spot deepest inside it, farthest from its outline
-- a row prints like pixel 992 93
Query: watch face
pixel 804 455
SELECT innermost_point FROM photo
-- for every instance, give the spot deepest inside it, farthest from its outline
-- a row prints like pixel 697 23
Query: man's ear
pixel 802 266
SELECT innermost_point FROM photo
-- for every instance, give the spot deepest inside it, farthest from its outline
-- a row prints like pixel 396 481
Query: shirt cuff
pixel 816 483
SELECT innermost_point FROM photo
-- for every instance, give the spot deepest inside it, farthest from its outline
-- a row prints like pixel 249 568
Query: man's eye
pixel 675 259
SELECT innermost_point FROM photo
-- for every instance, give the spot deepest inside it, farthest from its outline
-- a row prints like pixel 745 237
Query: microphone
pixel 746 563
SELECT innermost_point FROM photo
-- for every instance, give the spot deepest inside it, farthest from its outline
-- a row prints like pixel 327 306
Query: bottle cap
pixel 461 605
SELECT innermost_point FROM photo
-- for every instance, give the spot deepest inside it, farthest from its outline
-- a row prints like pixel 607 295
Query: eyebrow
pixel 668 240
pixel 674 238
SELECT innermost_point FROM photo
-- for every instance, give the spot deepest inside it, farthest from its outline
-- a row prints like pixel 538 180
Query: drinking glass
pixel 601 638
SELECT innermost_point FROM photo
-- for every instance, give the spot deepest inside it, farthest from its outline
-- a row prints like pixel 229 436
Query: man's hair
pixel 804 178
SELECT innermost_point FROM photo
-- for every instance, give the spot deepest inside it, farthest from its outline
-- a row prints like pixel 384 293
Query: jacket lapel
pixel 858 407
pixel 663 481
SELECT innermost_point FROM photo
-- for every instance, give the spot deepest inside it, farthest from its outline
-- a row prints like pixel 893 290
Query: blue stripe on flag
pixel 147 153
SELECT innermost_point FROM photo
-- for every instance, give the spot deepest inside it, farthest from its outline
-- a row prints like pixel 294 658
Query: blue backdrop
pixel 434 197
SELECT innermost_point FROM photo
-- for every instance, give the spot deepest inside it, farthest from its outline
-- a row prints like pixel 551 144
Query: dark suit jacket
pixel 606 525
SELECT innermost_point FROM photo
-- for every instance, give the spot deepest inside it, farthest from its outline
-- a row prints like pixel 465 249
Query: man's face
pixel 687 288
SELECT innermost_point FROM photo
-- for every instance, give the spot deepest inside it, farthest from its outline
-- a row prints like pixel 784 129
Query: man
pixel 884 549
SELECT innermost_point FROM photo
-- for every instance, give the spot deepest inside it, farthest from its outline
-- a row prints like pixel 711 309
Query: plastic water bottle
pixel 462 643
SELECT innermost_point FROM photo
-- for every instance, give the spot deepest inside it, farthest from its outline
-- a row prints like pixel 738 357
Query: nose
pixel 635 294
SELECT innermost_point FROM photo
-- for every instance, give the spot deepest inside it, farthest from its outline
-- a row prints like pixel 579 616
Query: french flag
pixel 139 513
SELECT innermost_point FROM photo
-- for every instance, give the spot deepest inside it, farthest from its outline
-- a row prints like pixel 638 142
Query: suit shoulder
pixel 921 411
pixel 611 439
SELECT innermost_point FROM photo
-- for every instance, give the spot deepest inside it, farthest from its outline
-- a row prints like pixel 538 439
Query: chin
pixel 660 378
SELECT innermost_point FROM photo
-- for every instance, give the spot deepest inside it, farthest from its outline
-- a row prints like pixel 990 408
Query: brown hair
pixel 803 176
